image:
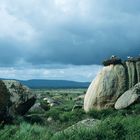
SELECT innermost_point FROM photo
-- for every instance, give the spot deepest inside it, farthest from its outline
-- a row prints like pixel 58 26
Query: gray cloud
pixel 75 32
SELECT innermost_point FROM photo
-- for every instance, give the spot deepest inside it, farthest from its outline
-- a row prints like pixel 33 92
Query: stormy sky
pixel 65 39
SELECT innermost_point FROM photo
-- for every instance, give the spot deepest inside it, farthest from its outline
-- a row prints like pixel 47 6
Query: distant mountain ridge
pixel 42 83
pixel 35 83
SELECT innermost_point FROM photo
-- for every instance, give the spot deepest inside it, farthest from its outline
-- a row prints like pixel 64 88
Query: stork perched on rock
pixel 129 57
pixel 113 56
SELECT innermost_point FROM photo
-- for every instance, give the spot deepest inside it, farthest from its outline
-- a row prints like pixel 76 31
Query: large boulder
pixel 15 98
pixel 109 84
pixel 130 97
pixel 113 80
pixel 4 101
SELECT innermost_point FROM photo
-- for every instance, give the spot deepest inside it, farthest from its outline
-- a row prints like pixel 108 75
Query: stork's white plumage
pixel 129 57
pixel 113 56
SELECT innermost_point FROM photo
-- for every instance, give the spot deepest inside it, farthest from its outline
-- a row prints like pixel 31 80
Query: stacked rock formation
pixel 111 82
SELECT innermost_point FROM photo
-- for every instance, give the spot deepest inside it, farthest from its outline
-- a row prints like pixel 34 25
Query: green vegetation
pixel 116 128
pixel 53 124
pixel 25 131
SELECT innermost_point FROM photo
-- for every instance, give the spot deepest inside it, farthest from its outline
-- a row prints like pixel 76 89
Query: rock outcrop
pixel 129 97
pixel 4 101
pixel 103 92
pixel 112 81
pixel 132 73
pixel 15 98
pixel 138 70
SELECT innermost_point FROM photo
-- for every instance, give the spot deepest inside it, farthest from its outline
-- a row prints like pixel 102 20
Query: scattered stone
pixel 36 108
pixel 48 102
pixel 50 119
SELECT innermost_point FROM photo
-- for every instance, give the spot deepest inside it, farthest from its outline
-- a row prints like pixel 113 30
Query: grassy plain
pixel 51 124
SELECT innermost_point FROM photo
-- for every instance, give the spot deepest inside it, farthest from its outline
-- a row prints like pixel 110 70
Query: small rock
pixel 36 108
pixel 50 119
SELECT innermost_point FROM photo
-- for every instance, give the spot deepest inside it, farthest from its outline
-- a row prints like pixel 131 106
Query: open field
pixel 52 123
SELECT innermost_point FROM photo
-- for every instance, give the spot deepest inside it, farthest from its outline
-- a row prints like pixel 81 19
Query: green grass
pixel 25 131
pixel 115 125
pixel 112 128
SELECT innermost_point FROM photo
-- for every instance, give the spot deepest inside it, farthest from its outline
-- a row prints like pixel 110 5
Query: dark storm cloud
pixel 75 32
pixel 9 53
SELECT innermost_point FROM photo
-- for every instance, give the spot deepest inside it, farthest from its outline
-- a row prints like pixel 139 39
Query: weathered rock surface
pixel 4 100
pixel 87 123
pixel 15 98
pixel 37 108
pixel 132 73
pixel 138 70
pixel 109 84
pixel 129 97
pixel 20 96
pixel 113 80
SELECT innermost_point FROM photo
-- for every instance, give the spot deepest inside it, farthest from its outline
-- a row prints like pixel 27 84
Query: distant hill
pixel 40 83
pixel 36 83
